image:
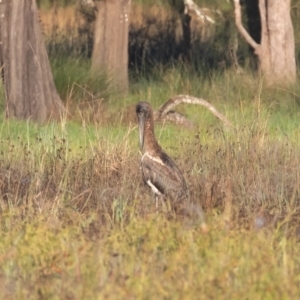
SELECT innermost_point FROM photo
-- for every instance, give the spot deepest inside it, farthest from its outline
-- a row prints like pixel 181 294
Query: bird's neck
pixel 150 143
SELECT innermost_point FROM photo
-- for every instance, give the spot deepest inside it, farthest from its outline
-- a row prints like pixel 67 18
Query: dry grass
pixel 66 31
pixel 257 174
pixel 78 223
pixel 61 19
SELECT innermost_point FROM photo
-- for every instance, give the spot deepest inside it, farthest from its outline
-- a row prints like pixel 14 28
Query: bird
pixel 159 171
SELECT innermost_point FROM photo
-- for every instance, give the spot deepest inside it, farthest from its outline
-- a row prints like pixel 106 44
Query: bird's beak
pixel 141 130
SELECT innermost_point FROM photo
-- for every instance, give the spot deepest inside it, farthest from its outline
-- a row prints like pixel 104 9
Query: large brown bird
pixel 158 170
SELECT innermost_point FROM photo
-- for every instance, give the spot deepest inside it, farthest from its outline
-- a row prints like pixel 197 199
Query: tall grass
pixel 78 222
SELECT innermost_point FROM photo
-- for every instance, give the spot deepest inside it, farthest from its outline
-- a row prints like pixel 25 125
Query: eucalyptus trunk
pixel 276 49
pixel 110 52
pixel 29 86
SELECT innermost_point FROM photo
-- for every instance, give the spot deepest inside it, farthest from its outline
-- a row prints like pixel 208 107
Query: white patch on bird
pixel 153 188
pixel 156 159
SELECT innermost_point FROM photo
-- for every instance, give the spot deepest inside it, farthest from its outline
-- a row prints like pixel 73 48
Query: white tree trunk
pixel 276 51
pixel 110 52
pixel 29 86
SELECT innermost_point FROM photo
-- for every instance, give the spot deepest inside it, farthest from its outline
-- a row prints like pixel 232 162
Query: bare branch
pixel 176 118
pixel 263 18
pixel 191 7
pixel 241 28
pixel 164 110
pixel 89 3
pixel 88 9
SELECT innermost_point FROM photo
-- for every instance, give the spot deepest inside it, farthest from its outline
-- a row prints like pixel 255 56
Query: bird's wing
pixel 163 173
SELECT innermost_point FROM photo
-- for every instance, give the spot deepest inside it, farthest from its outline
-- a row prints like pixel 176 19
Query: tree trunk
pixel 186 33
pixel 276 50
pixel 277 41
pixel 110 52
pixel 188 10
pixel 29 86
pixel 254 28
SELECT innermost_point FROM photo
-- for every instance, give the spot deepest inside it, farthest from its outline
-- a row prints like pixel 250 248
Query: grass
pixel 151 258
pixel 78 223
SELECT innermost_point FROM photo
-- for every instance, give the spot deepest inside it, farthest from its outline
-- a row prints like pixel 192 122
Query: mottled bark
pixel 277 40
pixel 276 50
pixel 29 86
pixel 165 112
pixel 110 52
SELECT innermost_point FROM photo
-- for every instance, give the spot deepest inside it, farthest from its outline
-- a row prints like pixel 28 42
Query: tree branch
pixel 164 112
pixel 263 14
pixel 190 6
pixel 177 118
pixel 241 28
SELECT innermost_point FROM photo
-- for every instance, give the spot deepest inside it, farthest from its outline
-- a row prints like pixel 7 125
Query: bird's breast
pixel 155 159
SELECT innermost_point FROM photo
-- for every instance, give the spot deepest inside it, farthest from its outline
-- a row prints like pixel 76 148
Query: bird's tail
pixel 196 210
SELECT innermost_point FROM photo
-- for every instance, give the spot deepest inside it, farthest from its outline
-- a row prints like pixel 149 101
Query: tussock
pixel 248 170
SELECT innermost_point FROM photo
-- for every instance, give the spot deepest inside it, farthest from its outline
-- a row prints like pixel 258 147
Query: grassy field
pixel 77 222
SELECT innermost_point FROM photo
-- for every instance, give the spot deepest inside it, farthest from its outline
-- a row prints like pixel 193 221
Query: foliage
pixel 74 79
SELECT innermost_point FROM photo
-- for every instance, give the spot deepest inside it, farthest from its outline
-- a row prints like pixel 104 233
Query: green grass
pixel 74 79
pixel 77 222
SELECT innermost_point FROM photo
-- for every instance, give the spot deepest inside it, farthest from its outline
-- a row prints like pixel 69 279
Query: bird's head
pixel 144 112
